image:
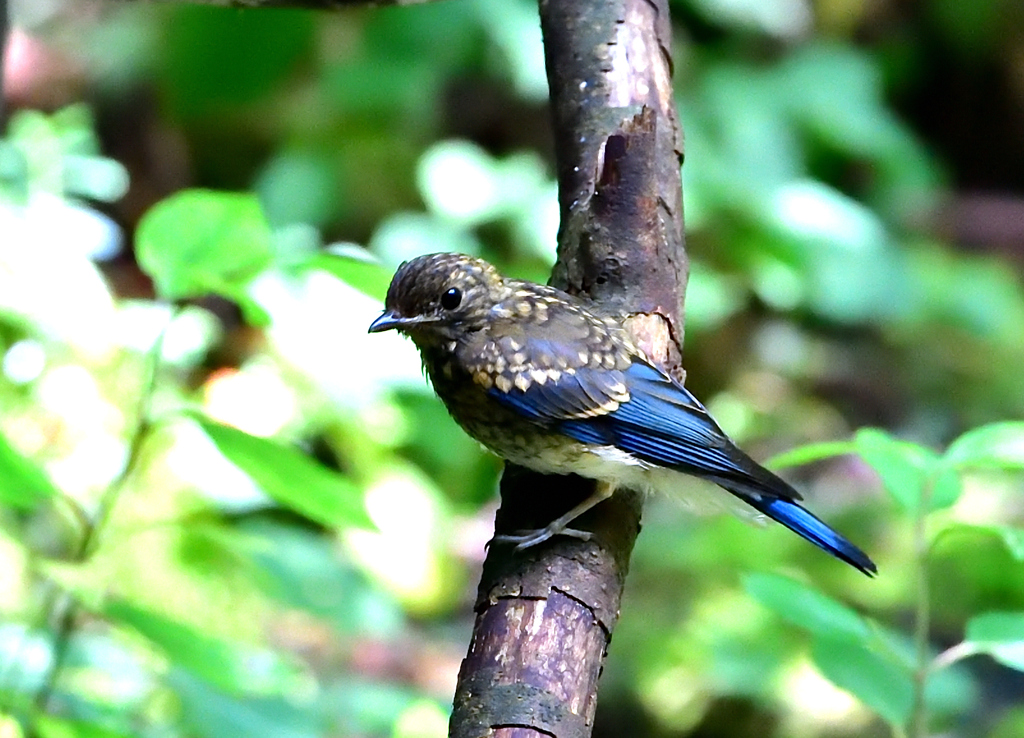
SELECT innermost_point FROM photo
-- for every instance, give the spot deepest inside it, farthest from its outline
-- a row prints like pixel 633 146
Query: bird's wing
pixel 643 411
pixel 556 362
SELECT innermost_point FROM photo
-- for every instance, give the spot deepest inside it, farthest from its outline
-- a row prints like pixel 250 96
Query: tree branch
pixel 545 615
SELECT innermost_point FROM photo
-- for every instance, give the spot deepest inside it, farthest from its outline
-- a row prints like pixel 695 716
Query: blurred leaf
pixel 360 706
pixel 1010 724
pixel 836 91
pixel 711 298
pixel 1012 538
pixel 805 607
pixel 301 569
pixel 290 478
pixel 298 187
pixel 946 490
pixel 879 683
pixel 201 241
pixel 210 713
pixel 229 666
pixel 95 177
pixel 14 172
pixel 403 236
pixel 22 483
pixel 50 726
pixel 999 445
pixel 422 719
pixel 214 56
pixel 980 295
pixel 812 211
pixel 999 634
pixel 811 452
pixel 905 468
pixel 356 270
pixel 25 658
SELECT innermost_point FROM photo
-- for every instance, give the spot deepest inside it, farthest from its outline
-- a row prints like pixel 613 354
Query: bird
pixel 547 381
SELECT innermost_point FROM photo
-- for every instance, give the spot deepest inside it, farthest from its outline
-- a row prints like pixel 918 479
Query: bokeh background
pixel 227 511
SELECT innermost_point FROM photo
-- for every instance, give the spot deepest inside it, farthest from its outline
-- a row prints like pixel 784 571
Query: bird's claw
pixel 524 539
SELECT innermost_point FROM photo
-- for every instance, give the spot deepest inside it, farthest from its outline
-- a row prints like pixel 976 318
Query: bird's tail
pixel 801 521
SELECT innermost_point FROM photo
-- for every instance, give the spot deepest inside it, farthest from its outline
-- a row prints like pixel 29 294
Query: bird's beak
pixel 386 322
pixel 389 320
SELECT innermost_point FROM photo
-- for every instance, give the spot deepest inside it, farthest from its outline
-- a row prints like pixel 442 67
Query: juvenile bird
pixel 545 381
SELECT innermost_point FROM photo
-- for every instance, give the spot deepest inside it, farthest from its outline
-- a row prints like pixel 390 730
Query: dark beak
pixel 389 320
pixel 386 322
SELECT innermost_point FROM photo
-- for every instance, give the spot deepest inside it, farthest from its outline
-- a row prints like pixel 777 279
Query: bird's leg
pixel 559 526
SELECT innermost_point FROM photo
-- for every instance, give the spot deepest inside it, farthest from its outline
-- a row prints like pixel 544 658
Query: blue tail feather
pixel 806 525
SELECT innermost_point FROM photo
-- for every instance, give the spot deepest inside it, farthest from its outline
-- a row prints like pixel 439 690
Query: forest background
pixel 226 510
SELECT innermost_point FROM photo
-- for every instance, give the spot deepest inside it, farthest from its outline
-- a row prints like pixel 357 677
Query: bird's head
pixel 434 297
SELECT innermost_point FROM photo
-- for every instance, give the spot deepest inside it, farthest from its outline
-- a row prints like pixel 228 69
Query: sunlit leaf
pixel 51 726
pixel 290 478
pixel 230 666
pixel 1011 538
pixel 357 270
pixel 879 683
pixel 22 483
pixel 422 719
pixel 905 468
pixel 198 242
pixel 810 453
pixel 999 445
pixel 999 634
pixel 805 607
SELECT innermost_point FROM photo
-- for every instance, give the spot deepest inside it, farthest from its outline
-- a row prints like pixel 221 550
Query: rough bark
pixel 545 616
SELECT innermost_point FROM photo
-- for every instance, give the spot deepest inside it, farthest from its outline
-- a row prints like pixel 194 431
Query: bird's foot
pixel 524 539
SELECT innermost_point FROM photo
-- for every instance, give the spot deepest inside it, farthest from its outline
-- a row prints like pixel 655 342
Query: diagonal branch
pixel 545 616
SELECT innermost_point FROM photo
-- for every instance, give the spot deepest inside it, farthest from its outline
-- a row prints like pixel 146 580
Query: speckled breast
pixel 500 429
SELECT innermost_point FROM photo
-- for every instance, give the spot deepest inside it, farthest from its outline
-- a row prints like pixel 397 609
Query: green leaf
pixel 810 453
pixel 1012 538
pixel 999 634
pixel 945 490
pixel 212 59
pixel 22 483
pixel 805 607
pixel 200 241
pixel 228 666
pixel 49 726
pixel 879 683
pixel 291 478
pixel 999 445
pixel 209 713
pixel 355 270
pixel 905 468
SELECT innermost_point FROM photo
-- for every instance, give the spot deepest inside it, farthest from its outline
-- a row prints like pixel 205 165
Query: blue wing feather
pixel 663 424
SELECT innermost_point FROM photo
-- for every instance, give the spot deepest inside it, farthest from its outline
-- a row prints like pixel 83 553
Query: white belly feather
pixel 624 470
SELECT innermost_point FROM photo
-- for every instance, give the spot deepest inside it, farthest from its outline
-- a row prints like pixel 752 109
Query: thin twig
pixel 953 654
pixel 68 607
pixel 922 616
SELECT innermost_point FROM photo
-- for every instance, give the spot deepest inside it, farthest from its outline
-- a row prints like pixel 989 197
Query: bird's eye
pixel 451 299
